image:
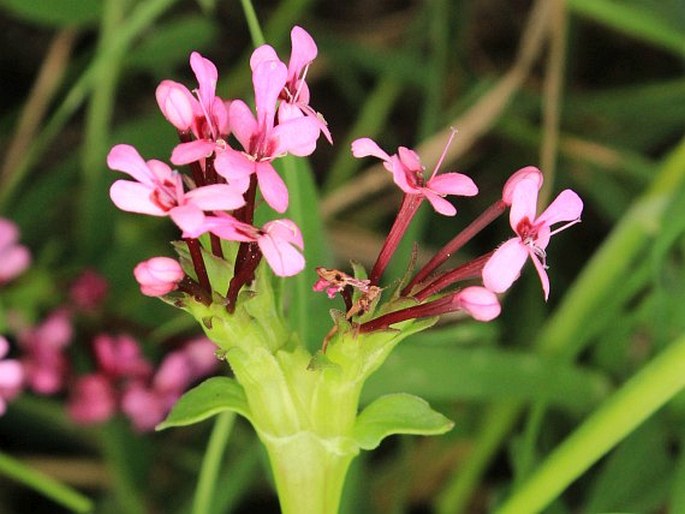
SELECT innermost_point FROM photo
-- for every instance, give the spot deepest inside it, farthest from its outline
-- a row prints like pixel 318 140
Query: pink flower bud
pixel 527 173
pixel 479 302
pixel 176 103
pixel 158 276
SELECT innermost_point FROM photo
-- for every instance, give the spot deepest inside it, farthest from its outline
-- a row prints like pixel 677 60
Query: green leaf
pixel 308 310
pixel 211 397
pixel 442 373
pixel 397 414
pixel 633 20
pixel 55 13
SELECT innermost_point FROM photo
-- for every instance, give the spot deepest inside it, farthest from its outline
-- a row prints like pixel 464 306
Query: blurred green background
pixel 590 91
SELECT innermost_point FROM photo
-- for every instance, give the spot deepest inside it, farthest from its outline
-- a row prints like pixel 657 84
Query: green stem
pixel 638 399
pixel 45 485
pixel 253 23
pixel 211 464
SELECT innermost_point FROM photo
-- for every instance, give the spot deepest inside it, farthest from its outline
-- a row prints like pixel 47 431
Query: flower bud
pixel 176 103
pixel 158 276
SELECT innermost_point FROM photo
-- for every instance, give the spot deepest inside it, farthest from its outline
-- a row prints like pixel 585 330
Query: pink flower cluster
pixel 124 380
pixel 220 197
pixel 496 270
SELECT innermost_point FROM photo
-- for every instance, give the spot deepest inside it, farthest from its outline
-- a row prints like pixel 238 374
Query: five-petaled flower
pixel 158 191
pixel 262 140
pixel 408 173
pixel 532 232
pixel 280 241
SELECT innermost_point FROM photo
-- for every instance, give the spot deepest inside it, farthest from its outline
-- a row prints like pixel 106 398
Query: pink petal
pixel 173 374
pixel 409 159
pixel 524 199
pixel 262 54
pixel 219 113
pixel 544 279
pixel 364 147
pixel 145 407
pixel 505 265
pixel 303 51
pixel 207 75
pixel 216 197
pixel 185 153
pixel 272 187
pixel 190 219
pixel 176 103
pixel 440 205
pixel 567 206
pixel 234 166
pixel 453 184
pixel 268 79
pixel 285 229
pixel 134 197
pixel 127 159
pixel 402 176
pixel 296 136
pixel 243 122
pixel 480 303
pixel 4 347
pixel 527 173
pixel 285 260
pixel 230 229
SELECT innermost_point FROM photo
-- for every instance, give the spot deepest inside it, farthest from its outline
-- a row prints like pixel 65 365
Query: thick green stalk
pixel 253 23
pixel 638 399
pixel 43 484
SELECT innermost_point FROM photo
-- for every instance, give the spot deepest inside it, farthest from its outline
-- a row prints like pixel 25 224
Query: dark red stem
pixel 189 286
pixel 244 274
pixel 467 271
pixel 199 264
pixel 440 306
pixel 463 237
pixel 410 204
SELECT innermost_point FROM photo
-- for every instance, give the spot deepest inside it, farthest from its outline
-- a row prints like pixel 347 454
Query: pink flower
pixel 533 234
pixel 93 399
pixel 158 276
pixel 262 140
pixel 280 241
pixel 45 363
pixel 11 376
pixel 158 191
pixel 408 173
pixel 14 258
pixel 89 290
pixel 295 94
pixel 120 357
pixel 147 405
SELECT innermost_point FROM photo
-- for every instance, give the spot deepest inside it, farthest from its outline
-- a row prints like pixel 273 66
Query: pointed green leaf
pixel 211 397
pixel 397 414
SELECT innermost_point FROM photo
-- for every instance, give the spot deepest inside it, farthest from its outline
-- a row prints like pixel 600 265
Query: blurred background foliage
pixel 591 91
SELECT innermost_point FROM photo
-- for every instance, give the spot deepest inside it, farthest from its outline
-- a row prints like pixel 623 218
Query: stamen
pixel 453 132
pixel 207 118
pixel 564 227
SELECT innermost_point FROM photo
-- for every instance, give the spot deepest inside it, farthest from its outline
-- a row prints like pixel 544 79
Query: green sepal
pixel 397 414
pixel 219 271
pixel 211 397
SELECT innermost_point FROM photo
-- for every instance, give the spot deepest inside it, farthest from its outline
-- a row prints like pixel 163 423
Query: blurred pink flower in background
pixel 92 399
pixel 14 258
pixel 43 347
pixel 120 357
pixel 11 376
pixel 89 290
